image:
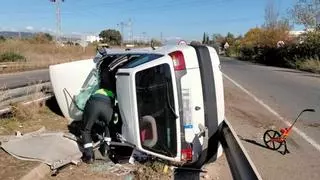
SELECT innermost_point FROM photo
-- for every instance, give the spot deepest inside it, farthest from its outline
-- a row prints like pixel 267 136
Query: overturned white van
pixel 176 91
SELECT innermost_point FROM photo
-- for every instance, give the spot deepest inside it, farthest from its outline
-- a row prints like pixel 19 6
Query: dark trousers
pixel 96 117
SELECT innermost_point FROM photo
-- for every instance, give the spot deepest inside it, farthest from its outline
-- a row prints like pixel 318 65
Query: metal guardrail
pixel 25 90
pixel 240 164
pixel 24 95
pixel 8 109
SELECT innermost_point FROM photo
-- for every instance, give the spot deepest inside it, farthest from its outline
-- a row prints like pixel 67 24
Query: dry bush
pixel 31 116
pixel 152 170
pixel 23 113
pixel 41 55
pixel 312 65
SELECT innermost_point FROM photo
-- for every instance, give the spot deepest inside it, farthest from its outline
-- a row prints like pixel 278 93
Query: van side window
pixel 155 100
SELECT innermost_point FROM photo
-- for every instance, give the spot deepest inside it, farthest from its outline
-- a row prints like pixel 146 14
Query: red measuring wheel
pixel 272 139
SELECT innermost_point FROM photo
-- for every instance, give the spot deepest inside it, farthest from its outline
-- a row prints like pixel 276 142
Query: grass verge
pixel 311 65
pixel 30 118
pixel 40 55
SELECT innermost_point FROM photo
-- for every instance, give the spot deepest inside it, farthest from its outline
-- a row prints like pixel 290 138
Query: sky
pixel 186 19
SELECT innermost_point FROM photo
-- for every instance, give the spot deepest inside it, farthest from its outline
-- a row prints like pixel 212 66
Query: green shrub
pixel 312 64
pixel 247 53
pixel 301 56
pixel 12 57
pixel 232 52
pixel 2 39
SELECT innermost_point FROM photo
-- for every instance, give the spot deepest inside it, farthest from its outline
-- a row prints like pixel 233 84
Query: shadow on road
pixel 183 174
pixel 260 145
pixel 304 73
pixel 253 142
pixel 312 75
pixel 289 71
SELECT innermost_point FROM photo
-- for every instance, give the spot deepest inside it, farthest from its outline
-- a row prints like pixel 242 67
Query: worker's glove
pixel 88 155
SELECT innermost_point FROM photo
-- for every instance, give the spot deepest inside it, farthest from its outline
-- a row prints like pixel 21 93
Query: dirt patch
pixel 31 118
pixel 26 119
pixel 218 170
pixel 239 106
pixel 102 170
pixel 12 168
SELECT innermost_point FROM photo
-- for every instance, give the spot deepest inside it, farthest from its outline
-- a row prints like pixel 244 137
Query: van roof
pixel 161 50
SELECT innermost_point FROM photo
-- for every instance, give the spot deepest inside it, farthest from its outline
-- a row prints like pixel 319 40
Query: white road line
pixel 302 134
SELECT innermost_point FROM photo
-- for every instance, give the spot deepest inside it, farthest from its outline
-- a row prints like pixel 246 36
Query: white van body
pixel 196 91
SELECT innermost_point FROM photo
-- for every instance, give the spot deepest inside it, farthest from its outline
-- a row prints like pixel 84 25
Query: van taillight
pixel 178 60
pixel 186 154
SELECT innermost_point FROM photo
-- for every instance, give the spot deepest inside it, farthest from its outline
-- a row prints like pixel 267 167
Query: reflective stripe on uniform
pixel 105 92
pixel 108 139
pixel 88 145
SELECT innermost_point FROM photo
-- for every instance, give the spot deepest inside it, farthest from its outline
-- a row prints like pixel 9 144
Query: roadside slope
pixel 250 120
pixel 286 91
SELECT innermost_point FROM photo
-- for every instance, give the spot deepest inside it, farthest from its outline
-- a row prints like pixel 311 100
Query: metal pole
pixel 122 35
pixel 58 20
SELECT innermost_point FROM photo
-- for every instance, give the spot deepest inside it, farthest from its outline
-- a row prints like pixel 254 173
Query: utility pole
pixel 144 36
pixel 122 24
pixel 58 18
pixel 130 31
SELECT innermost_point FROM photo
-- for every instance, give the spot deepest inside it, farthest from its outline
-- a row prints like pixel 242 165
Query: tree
pixel 204 38
pixel 111 36
pixel 252 37
pixel 230 38
pixel 207 40
pixel 304 12
pixel 271 15
pixel 48 36
pixel 42 37
pixel 217 40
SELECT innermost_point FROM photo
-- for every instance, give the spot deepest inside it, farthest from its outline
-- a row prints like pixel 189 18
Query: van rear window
pixel 155 99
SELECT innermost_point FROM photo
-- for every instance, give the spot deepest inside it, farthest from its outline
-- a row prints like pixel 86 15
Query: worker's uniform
pixel 96 116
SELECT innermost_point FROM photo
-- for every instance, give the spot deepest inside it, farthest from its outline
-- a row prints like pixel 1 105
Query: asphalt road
pixel 13 80
pixel 286 91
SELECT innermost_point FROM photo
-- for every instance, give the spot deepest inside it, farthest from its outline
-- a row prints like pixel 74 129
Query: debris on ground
pixel 48 147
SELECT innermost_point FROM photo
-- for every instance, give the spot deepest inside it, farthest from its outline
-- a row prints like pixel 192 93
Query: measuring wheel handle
pixel 272 139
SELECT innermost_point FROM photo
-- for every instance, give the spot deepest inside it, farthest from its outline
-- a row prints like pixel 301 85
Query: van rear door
pixel 149 107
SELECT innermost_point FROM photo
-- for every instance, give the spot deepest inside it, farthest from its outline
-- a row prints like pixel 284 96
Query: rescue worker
pixel 97 114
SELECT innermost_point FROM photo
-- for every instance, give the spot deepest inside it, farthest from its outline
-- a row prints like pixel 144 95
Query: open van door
pixel 148 105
